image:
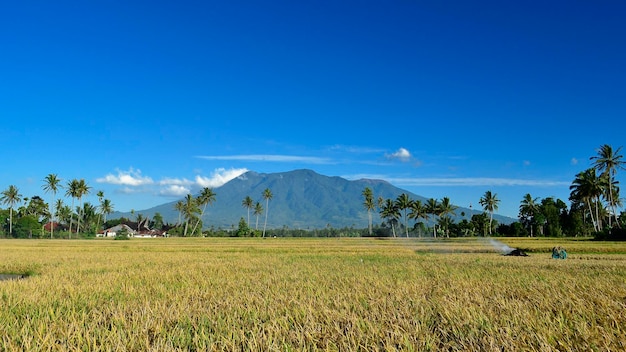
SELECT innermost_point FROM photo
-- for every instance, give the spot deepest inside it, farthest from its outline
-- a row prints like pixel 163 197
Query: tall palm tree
pixel 189 210
pixel 100 196
pixel 72 190
pixel 248 203
pixel 527 209
pixel 267 195
pixel 432 208
pixel 52 184
pixel 11 196
pixel 179 208
pixel 608 162
pixel 389 210
pixel 490 202
pixel 83 190
pixel 587 189
pixel 418 211
pixel 106 208
pixel 258 210
pixel 206 197
pixel 369 205
pixel 446 208
pixel 403 202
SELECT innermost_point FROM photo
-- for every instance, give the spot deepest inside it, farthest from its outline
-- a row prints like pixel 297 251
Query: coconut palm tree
pixel 52 184
pixel 267 195
pixel 432 208
pixel 11 196
pixel 587 189
pixel 258 210
pixel 446 208
pixel 83 190
pixel 490 202
pixel 189 210
pixel 369 205
pixel 418 211
pixel 608 162
pixel 390 212
pixel 248 203
pixel 179 208
pixel 527 210
pixel 106 208
pixel 72 190
pixel 403 202
pixel 206 197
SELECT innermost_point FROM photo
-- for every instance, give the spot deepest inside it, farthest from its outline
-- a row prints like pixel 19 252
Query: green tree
pixel 267 195
pixel 432 208
pixel 248 203
pixel 52 185
pixel 73 191
pixel 258 210
pixel 418 211
pixel 527 210
pixel 587 189
pixel 11 196
pixel 489 201
pixel 206 197
pixel 608 162
pixel 369 205
pixel 189 210
pixel 446 208
pixel 83 190
pixel 403 203
pixel 389 211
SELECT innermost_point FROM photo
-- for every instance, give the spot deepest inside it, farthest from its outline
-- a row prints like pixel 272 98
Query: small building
pixel 112 231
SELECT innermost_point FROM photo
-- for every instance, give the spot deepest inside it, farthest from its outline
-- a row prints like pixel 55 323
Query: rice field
pixel 275 294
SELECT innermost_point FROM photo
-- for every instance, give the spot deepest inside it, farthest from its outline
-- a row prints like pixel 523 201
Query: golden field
pixel 274 294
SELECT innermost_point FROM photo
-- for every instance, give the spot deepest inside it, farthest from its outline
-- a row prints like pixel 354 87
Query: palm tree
pixel 418 211
pixel 248 203
pixel 267 195
pixel 11 196
pixel 73 191
pixel 106 208
pixel 179 208
pixel 607 162
pixel 51 185
pixel 489 202
pixel 432 208
pixel 100 196
pixel 368 203
pixel 587 189
pixel 403 202
pixel 258 210
pixel 189 210
pixel 389 210
pixel 206 197
pixel 527 209
pixel 446 208
pixel 83 190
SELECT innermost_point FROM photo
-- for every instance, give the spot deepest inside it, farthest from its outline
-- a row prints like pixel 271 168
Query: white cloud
pixel 526 163
pixel 131 177
pixel 175 191
pixel 401 154
pixel 219 177
pixel 270 158
pixel 175 181
pixel 574 161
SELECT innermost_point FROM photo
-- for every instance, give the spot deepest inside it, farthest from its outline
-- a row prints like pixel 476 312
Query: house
pixel 112 231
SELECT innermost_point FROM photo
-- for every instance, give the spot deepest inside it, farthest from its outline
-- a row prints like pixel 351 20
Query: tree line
pixel 594 203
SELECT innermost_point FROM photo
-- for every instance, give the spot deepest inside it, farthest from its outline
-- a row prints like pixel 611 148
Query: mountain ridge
pixel 301 199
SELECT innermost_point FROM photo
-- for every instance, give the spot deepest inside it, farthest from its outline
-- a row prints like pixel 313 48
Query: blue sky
pixel 151 100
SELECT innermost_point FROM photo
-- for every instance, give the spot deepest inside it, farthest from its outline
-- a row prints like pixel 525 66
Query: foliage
pixel 122 234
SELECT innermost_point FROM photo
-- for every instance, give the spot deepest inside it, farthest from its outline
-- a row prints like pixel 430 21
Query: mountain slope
pixel 300 199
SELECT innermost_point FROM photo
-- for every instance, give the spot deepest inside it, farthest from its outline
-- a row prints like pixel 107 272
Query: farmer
pixel 559 252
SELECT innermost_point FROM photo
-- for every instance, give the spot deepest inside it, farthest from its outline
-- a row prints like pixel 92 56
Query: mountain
pixel 300 199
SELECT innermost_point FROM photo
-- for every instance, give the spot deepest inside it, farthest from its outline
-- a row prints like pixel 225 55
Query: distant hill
pixel 301 199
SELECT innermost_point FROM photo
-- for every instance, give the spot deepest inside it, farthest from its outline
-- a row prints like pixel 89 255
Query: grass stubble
pixel 311 294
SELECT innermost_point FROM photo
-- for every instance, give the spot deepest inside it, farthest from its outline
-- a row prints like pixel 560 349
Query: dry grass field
pixel 208 294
